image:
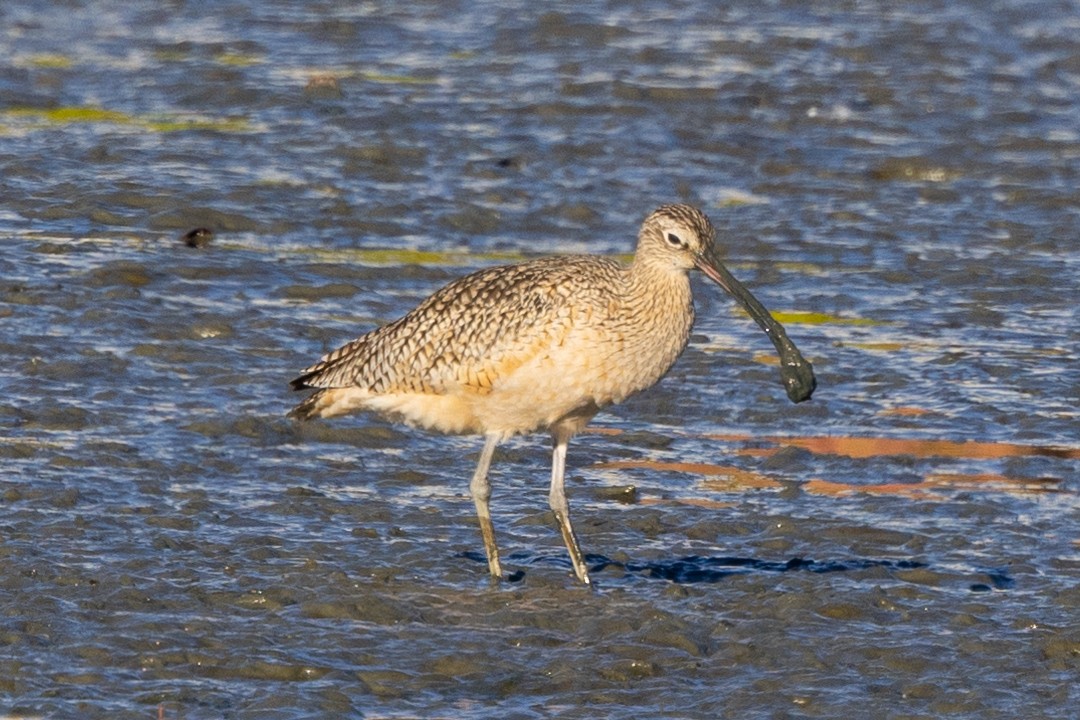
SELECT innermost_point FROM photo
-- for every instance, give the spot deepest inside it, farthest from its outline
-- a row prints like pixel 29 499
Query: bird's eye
pixel 674 240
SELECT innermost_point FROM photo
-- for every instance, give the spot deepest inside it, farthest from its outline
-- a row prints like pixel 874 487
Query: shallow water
pixel 897 182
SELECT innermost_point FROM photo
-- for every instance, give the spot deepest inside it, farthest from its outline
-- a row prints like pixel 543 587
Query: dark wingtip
pixel 303 381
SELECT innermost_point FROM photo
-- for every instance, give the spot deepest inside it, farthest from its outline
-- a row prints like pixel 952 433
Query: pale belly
pixel 537 394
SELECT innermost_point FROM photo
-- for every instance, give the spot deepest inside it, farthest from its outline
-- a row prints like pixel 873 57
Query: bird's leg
pixel 480 488
pixel 559 506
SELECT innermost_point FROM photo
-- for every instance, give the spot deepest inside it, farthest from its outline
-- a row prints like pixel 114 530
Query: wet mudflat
pixel 898 184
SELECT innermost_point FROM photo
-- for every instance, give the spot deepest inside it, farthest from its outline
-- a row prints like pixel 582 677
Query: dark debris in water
pixel 200 237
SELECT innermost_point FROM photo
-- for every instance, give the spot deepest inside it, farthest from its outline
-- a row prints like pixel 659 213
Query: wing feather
pixel 472 333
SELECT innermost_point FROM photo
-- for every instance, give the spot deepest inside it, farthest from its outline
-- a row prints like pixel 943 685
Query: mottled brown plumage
pixel 543 345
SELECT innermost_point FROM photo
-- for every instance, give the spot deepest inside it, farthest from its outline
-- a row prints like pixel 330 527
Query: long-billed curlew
pixel 543 345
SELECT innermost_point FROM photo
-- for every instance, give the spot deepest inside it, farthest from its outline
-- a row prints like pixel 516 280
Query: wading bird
pixel 543 345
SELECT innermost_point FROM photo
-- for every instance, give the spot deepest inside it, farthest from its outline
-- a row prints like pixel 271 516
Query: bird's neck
pixel 664 290
pixel 656 277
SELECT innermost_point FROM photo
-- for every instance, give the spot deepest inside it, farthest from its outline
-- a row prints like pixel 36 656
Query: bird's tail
pixel 309 408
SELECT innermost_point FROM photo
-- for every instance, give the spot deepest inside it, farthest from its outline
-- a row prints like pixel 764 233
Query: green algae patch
pixel 67 115
pixel 73 115
pixel 800 317
pixel 407 256
pixel 237 59
pixel 50 60
pixel 179 124
pixel 170 55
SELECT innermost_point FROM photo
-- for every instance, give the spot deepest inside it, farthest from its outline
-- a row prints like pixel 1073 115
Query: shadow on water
pixel 708 569
pixel 698 569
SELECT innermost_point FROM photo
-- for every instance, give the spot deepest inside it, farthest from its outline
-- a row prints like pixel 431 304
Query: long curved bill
pixel 796 373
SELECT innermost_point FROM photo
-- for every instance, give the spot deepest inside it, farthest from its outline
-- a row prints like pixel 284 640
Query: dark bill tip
pixel 798 378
